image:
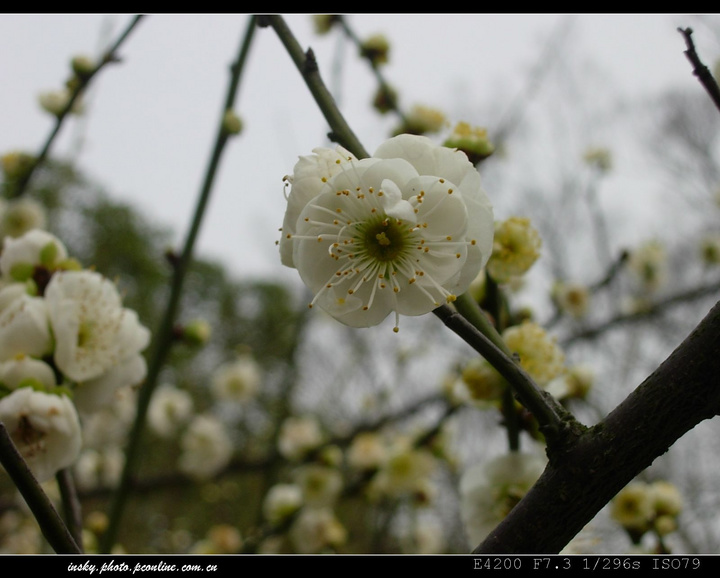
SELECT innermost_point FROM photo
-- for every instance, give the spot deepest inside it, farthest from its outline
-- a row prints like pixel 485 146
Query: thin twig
pixel 71 505
pixel 648 312
pixel 109 57
pixel 379 76
pixel 699 69
pixel 164 336
pixel 305 62
pixel 552 418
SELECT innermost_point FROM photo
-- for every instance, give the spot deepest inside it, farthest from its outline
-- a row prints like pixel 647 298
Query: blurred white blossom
pixel 206 447
pixel 488 491
pixel 170 408
pixel 315 530
pixel 299 435
pixel 237 380
pixel 281 501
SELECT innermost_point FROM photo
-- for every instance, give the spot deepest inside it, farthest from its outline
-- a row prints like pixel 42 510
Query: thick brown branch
pixel 579 481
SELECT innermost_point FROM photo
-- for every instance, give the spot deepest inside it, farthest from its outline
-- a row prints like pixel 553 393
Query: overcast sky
pixel 151 120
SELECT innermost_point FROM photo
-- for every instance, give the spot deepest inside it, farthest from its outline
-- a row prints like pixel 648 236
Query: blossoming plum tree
pixel 232 380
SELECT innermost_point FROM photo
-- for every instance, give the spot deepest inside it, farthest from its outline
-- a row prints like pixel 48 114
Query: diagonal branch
pixel 580 480
pixel 109 57
pixel 699 69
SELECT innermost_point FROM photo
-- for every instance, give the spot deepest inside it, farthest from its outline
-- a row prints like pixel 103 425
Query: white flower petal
pixel 24 328
pixel 309 176
pixel 100 391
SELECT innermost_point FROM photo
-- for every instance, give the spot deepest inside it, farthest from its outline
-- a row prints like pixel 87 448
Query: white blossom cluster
pixel 67 345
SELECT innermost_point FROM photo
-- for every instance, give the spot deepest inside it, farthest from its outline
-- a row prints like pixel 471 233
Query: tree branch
pixel 581 479
pixel 554 421
pixel 307 65
pixel 699 69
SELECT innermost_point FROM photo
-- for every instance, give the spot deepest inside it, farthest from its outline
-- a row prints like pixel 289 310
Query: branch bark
pixel 585 475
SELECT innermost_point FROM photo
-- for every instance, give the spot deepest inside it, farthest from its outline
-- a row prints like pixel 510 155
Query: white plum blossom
pixel 99 468
pixel 404 231
pixel 282 501
pixel 315 530
pixel 206 448
pixel 298 436
pixel 169 409
pixel 367 451
pixel 44 427
pixel 236 380
pixel 93 331
pixel 321 485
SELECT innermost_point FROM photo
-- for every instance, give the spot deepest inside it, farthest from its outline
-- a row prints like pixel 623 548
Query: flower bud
pixel 376 49
pixel 323 23
pixel 599 158
pixel 83 66
pixel 421 120
pixel 231 123
pixel 473 141
pixel 385 99
pixel 16 164
pixel 196 332
pixel 710 250
pixel 55 102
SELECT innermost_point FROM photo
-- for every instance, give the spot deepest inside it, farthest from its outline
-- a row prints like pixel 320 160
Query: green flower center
pixel 385 239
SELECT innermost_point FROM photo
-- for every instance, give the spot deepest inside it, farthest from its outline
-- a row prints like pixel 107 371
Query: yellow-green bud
pixel 421 120
pixel 600 158
pixel 473 141
pixel 16 164
pixel 710 250
pixel 376 49
pixel 385 99
pixel 231 123
pixel 197 332
pixel 323 23
pixel 83 66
